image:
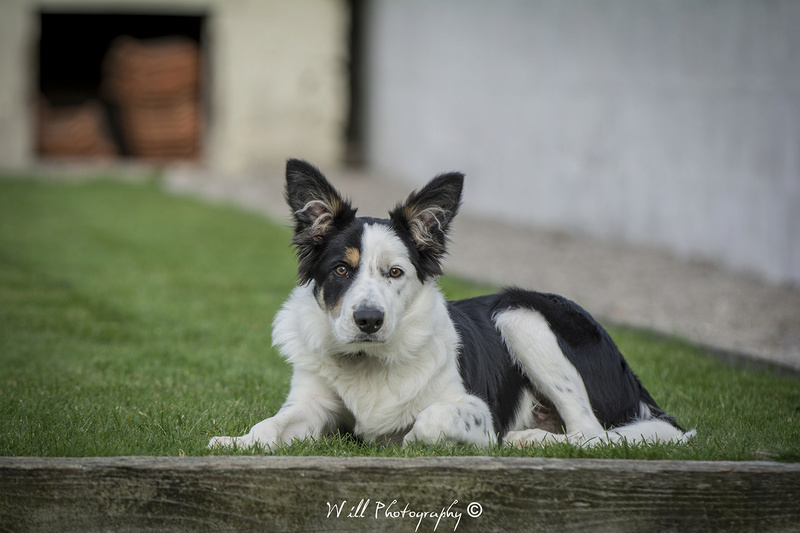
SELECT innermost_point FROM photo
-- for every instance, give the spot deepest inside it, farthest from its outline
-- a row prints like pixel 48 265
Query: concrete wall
pixel 673 123
pixel 278 77
pixel 280 82
pixel 16 103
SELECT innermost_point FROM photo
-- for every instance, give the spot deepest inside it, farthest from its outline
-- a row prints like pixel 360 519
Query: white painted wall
pixel 16 103
pixel 278 80
pixel 666 122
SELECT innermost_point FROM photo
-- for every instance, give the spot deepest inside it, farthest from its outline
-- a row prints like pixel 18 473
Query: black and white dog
pixel 376 349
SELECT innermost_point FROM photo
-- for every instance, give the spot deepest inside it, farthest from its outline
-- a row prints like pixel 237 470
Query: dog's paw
pixel 533 437
pixel 461 423
pixel 425 435
pixel 540 437
pixel 231 442
pixel 220 442
pixel 266 434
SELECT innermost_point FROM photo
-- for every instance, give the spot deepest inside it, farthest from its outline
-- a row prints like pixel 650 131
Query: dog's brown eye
pixel 395 272
pixel 341 270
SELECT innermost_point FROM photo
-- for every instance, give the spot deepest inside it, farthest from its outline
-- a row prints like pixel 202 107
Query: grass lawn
pixel 133 322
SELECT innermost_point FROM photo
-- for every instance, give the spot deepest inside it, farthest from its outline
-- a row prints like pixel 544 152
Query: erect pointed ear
pixel 426 216
pixel 317 209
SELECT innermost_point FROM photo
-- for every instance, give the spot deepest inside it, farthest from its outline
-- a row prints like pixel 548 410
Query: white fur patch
pixel 535 347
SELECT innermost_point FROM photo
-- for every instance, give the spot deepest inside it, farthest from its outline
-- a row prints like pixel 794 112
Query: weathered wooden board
pixel 351 494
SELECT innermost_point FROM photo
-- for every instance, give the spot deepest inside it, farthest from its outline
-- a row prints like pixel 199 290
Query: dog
pixel 378 352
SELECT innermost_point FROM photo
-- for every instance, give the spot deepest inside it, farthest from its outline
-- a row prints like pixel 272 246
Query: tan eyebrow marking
pixel 352 257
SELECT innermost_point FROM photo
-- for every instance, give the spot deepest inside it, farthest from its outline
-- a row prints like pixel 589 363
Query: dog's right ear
pixel 317 209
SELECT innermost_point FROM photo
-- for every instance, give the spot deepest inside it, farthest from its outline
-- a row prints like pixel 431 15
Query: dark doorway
pixel 73 80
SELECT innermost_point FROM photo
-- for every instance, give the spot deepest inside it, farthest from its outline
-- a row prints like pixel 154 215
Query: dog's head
pixel 367 271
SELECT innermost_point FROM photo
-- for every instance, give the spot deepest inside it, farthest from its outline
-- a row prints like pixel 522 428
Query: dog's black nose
pixel 368 319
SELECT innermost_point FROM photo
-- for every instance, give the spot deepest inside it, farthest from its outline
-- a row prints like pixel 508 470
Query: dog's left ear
pixel 426 216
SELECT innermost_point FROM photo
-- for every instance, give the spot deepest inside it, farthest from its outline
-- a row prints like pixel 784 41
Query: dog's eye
pixel 395 272
pixel 341 270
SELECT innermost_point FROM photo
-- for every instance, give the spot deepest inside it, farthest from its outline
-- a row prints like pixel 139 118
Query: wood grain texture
pixel 297 494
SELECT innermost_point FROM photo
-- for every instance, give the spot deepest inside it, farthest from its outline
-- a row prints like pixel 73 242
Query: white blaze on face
pixel 377 287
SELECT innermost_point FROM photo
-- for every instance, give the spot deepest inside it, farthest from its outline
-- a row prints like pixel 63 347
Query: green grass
pixel 137 323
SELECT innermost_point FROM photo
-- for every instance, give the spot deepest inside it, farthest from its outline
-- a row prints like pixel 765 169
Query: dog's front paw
pixel 431 424
pixel 266 434
pixel 422 435
pixel 220 442
pixel 231 442
pixel 462 423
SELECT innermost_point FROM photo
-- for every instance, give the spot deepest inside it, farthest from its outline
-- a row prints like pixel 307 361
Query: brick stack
pixel 155 86
pixel 74 131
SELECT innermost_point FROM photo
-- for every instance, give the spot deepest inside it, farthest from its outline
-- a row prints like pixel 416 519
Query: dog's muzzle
pixel 368 319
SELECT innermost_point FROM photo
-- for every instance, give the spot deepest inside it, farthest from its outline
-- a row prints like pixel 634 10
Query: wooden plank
pixel 352 494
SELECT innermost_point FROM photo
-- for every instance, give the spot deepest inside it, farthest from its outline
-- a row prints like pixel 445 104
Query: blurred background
pixel 673 125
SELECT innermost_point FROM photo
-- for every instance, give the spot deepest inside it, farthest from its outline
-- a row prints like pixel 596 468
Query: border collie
pixel 377 351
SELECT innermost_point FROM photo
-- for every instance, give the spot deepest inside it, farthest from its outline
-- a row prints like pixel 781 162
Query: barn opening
pixel 113 85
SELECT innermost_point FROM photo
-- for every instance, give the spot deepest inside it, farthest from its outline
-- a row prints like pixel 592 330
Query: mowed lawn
pixel 133 322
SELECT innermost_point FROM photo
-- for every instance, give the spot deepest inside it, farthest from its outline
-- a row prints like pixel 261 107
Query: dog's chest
pixel 384 400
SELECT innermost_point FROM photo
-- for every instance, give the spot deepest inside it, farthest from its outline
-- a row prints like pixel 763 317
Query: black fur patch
pixel 486 367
